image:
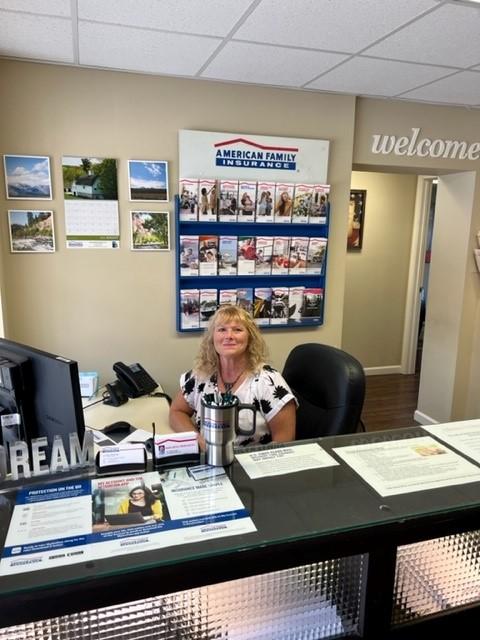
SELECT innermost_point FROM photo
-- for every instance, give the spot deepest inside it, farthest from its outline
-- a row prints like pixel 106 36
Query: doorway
pixel 454 196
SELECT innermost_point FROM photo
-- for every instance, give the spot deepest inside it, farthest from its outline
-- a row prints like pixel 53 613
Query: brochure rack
pixel 222 282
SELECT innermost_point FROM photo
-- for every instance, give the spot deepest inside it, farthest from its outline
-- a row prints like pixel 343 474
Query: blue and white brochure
pixel 65 523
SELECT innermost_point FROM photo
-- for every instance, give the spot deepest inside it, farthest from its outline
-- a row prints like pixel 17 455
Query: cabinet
pixel 305 291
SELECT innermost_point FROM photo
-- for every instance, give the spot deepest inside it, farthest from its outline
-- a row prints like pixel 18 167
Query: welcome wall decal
pixel 424 147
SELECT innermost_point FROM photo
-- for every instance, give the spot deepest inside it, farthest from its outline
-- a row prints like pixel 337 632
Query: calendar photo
pixel 91 205
pixel 31 231
pixel 27 177
pixel 148 180
pixel 89 178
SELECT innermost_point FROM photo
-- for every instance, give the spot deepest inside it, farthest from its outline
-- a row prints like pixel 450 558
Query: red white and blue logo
pixel 241 152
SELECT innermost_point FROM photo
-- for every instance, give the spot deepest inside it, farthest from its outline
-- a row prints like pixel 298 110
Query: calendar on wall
pixel 91 203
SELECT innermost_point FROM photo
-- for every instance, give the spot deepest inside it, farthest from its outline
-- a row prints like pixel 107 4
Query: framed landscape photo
pixel 356 219
pixel 150 230
pixel 31 231
pixel 27 177
pixel 148 180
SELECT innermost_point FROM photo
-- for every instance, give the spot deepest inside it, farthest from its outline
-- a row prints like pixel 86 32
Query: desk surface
pixel 300 516
pixel 139 412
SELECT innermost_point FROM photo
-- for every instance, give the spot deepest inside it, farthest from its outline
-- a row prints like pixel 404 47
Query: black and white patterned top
pixel 266 390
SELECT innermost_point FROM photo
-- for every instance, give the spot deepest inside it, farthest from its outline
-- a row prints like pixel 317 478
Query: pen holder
pixel 219 426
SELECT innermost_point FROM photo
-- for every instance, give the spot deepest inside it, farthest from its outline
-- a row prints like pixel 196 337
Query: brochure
pixel 188 199
pixel 79 521
pixel 207 196
pixel 403 466
pixel 227 256
pixel 189 255
pixel 207 255
pixel 262 305
pixel 247 195
pixel 317 249
pixel 246 256
pixel 302 203
pixel 281 460
pixel 228 205
pixel 208 305
pixel 283 201
pixel 189 309
pixel 265 195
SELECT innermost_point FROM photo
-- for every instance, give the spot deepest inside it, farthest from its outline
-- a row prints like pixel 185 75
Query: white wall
pixel 443 324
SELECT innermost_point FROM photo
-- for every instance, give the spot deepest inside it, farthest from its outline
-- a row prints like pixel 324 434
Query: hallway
pixel 390 401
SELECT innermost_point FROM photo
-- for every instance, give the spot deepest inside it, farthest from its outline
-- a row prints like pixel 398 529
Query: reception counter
pixel 330 557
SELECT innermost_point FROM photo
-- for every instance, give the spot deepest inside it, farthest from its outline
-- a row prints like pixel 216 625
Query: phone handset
pixel 134 379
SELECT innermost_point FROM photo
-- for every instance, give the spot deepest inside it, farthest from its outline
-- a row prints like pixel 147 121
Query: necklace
pixel 229 385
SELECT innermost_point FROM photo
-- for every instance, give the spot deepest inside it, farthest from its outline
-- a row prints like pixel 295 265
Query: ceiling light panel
pixel 239 61
pixel 367 76
pixel 35 37
pixel 449 36
pixel 346 26
pixel 45 7
pixel 142 50
pixel 208 17
pixel 462 89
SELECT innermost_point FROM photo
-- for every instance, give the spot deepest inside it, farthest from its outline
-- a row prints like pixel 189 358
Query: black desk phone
pixel 134 380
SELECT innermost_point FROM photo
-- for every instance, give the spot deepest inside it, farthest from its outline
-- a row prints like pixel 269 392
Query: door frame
pixel 415 273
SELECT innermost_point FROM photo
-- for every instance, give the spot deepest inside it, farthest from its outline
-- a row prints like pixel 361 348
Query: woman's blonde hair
pixel 207 360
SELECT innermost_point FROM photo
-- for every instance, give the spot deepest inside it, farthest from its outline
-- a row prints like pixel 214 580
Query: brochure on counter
pixel 79 521
pixel 464 436
pixel 404 466
pixel 281 460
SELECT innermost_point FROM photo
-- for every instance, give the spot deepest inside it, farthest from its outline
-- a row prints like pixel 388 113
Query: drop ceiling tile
pixel 35 37
pixel 368 76
pixel 449 36
pixel 143 50
pixel 346 26
pixel 461 88
pixel 46 7
pixel 266 64
pixel 208 17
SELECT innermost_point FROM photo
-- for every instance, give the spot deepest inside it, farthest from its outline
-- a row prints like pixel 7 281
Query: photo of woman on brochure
pixel 118 504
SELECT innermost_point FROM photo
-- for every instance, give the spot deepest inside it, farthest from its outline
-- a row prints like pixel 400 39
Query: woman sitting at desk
pixel 142 500
pixel 232 360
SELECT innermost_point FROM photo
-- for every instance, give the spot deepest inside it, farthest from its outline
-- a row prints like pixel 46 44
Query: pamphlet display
pixel 276 272
pixel 80 521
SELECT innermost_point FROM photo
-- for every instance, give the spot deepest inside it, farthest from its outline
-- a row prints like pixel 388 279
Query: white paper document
pixel 404 466
pixel 119 454
pixel 464 436
pixel 275 462
pixel 85 520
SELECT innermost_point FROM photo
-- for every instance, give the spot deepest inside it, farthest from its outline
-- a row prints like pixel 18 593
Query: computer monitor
pixel 53 387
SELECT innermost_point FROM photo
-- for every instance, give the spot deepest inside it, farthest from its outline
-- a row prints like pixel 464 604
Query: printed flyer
pixel 79 521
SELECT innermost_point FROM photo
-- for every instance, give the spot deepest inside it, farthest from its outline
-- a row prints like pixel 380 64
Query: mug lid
pixel 220 400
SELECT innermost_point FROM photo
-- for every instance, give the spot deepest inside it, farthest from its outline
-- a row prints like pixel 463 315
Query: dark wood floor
pixel 390 401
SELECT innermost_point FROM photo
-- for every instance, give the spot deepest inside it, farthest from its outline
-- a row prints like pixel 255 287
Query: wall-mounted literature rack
pixel 287 295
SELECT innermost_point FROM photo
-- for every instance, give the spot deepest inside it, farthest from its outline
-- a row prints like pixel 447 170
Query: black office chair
pixel 330 387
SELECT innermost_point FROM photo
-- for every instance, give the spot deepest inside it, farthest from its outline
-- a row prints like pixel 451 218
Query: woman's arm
pixel 123 507
pixel 157 510
pixel 282 426
pixel 181 414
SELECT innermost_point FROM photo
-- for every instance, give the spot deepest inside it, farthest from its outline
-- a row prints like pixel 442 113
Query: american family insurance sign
pixel 237 155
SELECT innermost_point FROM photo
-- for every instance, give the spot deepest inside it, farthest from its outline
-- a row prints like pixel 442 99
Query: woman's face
pixel 230 338
pixel 138 494
pixel 285 196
